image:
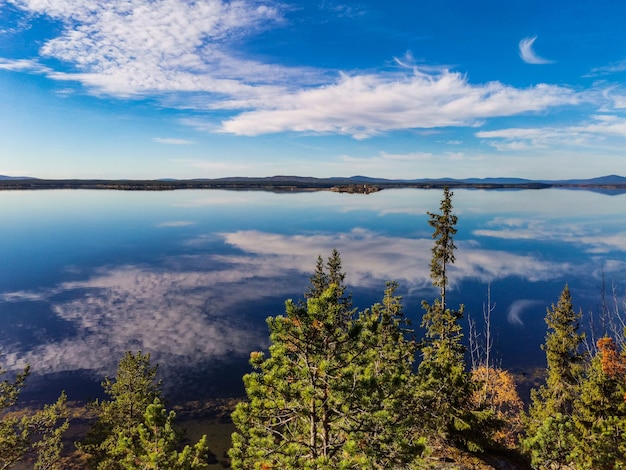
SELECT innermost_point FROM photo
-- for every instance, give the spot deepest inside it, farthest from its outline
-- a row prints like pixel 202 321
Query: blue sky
pixel 404 89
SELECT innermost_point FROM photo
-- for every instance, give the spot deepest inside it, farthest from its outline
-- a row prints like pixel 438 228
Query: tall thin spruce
pixel 444 389
pixel 443 251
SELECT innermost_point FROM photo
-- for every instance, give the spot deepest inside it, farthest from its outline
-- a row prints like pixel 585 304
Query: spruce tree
pixel 444 384
pixel 550 434
pixel 444 225
pixel 335 390
pixel 600 414
pixel 445 387
pixel 327 274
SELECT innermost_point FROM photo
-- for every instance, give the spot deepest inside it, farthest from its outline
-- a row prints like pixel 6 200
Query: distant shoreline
pixel 356 185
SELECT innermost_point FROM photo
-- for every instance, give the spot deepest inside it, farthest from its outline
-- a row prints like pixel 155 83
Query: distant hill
pixel 602 180
pixel 611 184
pixel 9 178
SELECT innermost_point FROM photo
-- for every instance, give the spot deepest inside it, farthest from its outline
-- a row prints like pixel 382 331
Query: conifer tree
pixel 550 434
pixel 444 384
pixel 327 274
pixel 445 387
pixel 600 414
pixel 50 425
pixel 156 446
pixel 34 435
pixel 393 427
pixel 444 225
pixel 131 391
pixel 14 442
pixel 335 390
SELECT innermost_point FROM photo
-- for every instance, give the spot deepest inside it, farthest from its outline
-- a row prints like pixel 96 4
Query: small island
pixel 356 189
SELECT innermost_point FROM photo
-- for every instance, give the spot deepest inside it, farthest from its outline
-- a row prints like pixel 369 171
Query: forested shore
pixel 363 185
pixel 340 388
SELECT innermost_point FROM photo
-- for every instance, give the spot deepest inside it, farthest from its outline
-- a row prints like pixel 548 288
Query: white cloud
pixel 172 141
pixel 607 125
pixel 185 54
pixel 591 133
pixel 365 105
pixel 618 101
pixel 132 48
pixel 616 67
pixel 527 53
pixel 23 65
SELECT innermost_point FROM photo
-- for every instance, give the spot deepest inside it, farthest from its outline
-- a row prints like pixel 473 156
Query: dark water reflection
pixel 190 276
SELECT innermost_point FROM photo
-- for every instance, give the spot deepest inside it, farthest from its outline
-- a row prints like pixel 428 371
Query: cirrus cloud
pixel 527 53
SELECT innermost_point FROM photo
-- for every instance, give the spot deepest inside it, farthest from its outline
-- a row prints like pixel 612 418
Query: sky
pixel 394 89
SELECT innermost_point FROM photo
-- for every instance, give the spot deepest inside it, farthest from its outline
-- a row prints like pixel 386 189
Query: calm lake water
pixel 190 276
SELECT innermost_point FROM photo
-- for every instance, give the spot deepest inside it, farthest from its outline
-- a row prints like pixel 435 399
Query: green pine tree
pixel 327 274
pixel 50 425
pixel 36 436
pixel 550 433
pixel 14 438
pixel 335 390
pixel 131 391
pixel 394 430
pixel 156 446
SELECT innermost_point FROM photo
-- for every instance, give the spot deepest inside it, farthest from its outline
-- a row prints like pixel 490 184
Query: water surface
pixel 190 276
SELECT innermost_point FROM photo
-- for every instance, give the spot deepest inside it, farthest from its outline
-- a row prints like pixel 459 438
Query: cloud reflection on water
pixel 207 298
pixel 517 308
pixel 183 316
pixel 369 257
pixel 588 236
